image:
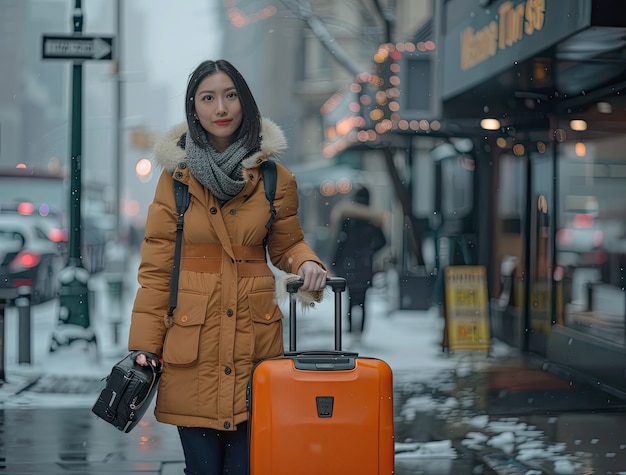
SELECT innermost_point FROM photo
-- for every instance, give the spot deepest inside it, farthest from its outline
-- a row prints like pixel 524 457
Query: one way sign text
pixel 77 47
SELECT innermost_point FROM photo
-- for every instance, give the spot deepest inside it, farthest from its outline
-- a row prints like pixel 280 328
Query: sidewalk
pixel 48 427
pixel 455 413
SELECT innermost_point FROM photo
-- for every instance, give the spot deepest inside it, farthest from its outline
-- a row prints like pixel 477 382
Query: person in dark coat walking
pixel 359 236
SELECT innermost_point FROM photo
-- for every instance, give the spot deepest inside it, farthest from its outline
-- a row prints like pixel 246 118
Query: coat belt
pixel 250 260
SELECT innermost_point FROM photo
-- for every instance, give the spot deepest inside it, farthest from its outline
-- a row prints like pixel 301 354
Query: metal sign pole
pixel 73 292
pixel 77 145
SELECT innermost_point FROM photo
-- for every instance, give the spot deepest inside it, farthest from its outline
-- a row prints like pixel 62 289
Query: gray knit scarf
pixel 220 172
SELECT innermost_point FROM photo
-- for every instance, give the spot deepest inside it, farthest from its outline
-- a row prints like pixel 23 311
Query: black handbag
pixel 127 394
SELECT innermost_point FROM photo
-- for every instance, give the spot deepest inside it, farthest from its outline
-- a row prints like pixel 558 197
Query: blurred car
pixel 33 250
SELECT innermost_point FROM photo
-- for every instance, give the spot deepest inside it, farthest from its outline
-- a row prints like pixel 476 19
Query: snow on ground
pixel 409 341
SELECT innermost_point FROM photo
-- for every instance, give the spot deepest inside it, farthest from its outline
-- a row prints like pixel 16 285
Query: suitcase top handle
pixel 338 284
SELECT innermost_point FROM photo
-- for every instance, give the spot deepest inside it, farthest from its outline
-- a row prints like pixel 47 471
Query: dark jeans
pixel 215 452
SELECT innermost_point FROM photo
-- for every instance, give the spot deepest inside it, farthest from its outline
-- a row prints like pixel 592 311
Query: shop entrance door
pixel 539 294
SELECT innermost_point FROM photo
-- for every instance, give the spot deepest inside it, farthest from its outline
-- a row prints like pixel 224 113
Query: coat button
pixel 229 312
pixel 227 370
pixel 251 176
pixel 213 210
pixel 227 425
pixel 233 211
pixel 267 316
pixel 178 175
pixel 182 165
pixel 184 318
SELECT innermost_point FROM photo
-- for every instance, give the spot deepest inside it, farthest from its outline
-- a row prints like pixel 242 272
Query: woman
pixel 359 237
pixel 227 318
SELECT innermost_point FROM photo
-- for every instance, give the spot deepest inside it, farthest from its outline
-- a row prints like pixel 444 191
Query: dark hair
pixel 250 127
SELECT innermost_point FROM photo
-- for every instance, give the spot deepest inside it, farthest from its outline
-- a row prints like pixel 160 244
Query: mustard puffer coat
pixel 227 317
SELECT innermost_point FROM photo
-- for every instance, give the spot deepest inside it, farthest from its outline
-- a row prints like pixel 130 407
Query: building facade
pixel 296 60
pixel 541 84
pixel 510 148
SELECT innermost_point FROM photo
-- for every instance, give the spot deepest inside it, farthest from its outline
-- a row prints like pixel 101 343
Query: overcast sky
pixel 179 36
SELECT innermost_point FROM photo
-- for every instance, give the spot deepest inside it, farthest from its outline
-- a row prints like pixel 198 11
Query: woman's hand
pixel 142 359
pixel 313 275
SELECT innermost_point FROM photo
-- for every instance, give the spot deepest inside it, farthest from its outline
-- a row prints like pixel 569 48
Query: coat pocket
pixel 267 323
pixel 183 338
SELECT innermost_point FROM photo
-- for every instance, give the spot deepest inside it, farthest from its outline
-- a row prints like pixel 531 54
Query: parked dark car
pixel 33 249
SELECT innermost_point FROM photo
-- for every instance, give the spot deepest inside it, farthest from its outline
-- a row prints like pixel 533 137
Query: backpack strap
pixel 181 193
pixel 268 169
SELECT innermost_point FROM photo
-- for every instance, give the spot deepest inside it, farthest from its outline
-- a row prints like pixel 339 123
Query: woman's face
pixel 218 109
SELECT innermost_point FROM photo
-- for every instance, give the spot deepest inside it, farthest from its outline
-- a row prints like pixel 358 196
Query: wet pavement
pixel 512 417
pixel 55 441
pixel 455 414
pixel 488 416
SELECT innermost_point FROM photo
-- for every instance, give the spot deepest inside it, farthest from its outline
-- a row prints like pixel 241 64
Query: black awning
pixel 513 58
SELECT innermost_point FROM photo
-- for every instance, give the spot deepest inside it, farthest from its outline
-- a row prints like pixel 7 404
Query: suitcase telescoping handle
pixel 338 284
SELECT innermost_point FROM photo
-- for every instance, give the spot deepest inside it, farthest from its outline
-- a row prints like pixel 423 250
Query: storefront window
pixel 591 236
pixel 510 209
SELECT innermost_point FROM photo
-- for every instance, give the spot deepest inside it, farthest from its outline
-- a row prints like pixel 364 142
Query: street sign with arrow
pixel 77 47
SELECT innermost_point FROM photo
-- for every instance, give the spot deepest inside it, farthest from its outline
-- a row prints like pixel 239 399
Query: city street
pixel 486 138
pixel 463 413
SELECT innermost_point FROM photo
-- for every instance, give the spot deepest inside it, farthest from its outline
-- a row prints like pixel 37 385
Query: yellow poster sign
pixel 466 309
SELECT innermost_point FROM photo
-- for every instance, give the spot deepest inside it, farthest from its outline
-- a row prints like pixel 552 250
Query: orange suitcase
pixel 321 412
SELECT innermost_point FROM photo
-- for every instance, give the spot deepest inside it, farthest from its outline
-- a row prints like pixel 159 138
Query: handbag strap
pixel 181 193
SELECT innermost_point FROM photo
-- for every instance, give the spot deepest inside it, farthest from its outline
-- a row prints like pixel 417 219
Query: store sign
pixel 490 40
pixel 466 309
pixel 513 23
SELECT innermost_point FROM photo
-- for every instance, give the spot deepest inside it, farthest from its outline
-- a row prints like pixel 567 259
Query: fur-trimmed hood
pixel 168 154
